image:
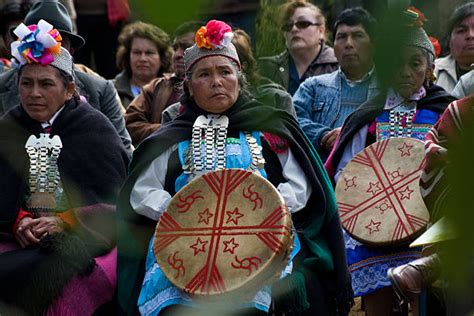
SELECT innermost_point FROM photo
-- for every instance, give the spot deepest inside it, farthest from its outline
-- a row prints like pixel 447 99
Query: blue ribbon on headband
pixel 37 48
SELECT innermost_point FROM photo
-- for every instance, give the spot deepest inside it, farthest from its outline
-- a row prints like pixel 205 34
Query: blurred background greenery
pixel 258 17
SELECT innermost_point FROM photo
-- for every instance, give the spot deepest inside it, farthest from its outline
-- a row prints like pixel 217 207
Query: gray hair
pixel 429 58
pixel 243 83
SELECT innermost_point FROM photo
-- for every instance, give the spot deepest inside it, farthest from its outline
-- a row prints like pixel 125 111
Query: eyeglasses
pixel 299 25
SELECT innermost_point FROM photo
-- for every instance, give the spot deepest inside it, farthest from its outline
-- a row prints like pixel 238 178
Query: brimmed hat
pixel 214 39
pixel 41 44
pixel 56 14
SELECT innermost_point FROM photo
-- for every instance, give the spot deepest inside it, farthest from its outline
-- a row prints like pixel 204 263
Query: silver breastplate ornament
pixel 207 151
pixel 44 177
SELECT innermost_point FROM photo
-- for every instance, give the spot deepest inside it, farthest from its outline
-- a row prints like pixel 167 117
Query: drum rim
pixel 399 242
pixel 265 276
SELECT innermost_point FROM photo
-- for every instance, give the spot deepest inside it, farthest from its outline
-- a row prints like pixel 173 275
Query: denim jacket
pixel 318 103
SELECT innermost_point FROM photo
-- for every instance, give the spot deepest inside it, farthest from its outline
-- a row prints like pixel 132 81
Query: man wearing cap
pixel 98 92
pixel 323 102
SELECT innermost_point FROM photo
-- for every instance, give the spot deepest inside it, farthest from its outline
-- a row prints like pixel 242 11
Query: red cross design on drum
pixel 386 206
pixel 234 235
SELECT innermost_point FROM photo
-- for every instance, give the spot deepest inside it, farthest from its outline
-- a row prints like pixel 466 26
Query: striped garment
pixel 445 134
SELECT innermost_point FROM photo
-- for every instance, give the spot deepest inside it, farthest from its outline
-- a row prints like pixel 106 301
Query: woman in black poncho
pixel 62 165
pixel 214 87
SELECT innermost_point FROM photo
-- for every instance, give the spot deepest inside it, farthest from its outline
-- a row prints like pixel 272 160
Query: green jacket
pixel 277 68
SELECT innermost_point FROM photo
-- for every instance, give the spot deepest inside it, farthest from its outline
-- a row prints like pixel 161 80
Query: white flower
pixel 226 40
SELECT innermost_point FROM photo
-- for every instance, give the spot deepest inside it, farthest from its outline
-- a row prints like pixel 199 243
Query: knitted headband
pixel 41 44
pixel 416 35
pixel 214 39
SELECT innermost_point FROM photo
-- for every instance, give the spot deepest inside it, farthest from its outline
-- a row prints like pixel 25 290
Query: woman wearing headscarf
pixel 214 87
pixel 62 164
pixel 263 89
pixel 410 106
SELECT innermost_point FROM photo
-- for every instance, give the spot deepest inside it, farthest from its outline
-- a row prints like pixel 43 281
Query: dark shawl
pixel 317 224
pixel 92 164
pixel 436 99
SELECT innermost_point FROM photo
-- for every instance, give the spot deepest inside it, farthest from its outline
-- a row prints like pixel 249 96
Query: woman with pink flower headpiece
pixel 223 127
pixel 62 164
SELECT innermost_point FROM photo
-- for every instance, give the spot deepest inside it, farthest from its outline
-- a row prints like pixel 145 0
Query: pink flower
pixel 216 31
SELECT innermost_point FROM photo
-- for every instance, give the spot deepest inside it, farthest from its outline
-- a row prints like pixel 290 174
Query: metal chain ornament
pixel 44 177
pixel 209 138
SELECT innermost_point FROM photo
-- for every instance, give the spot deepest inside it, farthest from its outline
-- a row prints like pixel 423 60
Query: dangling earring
pixel 432 78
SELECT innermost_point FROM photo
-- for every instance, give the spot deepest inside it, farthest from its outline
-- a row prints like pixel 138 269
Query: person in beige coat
pixel 449 69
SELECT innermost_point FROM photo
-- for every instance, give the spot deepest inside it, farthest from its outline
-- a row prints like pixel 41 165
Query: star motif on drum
pixel 234 216
pixel 406 193
pixel 388 201
pixel 199 246
pixel 204 216
pixel 213 247
pixel 374 188
pixel 373 226
pixel 230 245
pixel 405 149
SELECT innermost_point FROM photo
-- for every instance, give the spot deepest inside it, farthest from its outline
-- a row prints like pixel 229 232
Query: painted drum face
pixel 378 193
pixel 226 233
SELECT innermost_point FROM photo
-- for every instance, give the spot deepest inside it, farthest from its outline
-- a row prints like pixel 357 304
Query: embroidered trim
pixel 401 123
pixel 233 150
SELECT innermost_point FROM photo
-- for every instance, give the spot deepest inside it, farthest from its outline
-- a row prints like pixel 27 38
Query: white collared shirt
pixel 52 119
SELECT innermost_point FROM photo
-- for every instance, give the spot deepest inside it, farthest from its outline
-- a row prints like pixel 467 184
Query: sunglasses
pixel 299 25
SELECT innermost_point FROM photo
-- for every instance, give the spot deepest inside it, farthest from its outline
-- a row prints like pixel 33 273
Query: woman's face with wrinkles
pixel 414 71
pixel 214 84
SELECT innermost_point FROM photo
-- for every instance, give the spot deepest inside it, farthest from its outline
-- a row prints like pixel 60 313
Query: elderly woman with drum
pixel 62 165
pixel 377 166
pixel 237 191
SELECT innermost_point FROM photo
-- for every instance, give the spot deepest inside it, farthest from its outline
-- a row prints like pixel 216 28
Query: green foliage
pixel 270 39
pixel 459 254
pixel 168 14
pixel 388 44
